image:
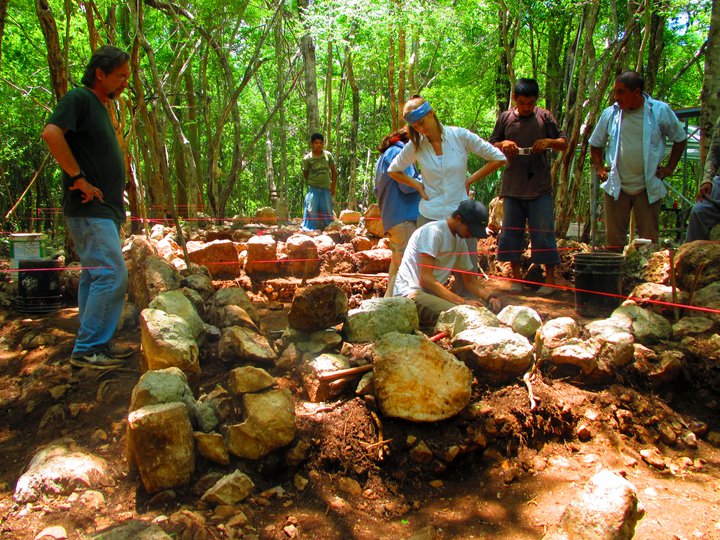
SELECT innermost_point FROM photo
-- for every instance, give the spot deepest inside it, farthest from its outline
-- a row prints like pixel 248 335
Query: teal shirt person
pixel 318 167
pixel 318 170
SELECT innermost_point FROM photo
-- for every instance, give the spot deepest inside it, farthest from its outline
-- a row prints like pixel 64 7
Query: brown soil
pixel 512 482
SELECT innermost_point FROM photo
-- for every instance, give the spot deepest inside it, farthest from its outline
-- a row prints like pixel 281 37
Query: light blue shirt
pixel 659 124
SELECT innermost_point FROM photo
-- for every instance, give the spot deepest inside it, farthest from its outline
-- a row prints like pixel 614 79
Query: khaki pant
pixel 398 236
pixel 617 219
pixel 429 307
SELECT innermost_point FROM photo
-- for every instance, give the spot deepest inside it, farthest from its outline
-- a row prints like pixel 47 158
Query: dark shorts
pixel 538 213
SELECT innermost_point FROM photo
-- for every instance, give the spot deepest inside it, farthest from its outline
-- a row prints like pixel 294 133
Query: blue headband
pixel 418 114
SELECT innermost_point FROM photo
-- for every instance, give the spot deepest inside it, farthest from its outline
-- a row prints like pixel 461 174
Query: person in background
pixel 318 167
pixel 705 213
pixel 633 132
pixel 398 202
pixel 442 154
pixel 81 137
pixel 433 252
pixel 524 134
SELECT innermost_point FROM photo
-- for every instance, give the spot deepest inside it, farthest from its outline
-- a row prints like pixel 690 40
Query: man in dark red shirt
pixel 524 134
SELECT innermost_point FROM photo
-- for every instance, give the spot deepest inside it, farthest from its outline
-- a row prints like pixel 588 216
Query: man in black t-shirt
pixel 81 137
pixel 524 134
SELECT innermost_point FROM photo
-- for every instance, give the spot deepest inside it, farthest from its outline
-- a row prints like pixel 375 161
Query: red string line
pixel 575 290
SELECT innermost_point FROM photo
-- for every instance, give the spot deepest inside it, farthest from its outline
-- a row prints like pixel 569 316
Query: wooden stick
pixel 342 373
pixel 526 378
pixel 379 443
pixel 32 181
pixel 673 284
pixel 464 348
pixel 438 337
pixel 699 270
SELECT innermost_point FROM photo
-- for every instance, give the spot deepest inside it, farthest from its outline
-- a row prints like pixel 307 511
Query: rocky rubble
pixel 252 412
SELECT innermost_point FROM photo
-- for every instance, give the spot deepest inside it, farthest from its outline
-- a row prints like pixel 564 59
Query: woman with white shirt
pixel 442 154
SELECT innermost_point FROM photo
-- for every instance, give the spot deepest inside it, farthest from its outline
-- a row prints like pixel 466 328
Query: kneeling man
pixel 434 251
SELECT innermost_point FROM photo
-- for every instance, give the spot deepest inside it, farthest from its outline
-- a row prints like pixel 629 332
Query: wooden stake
pixel 343 373
pixel 673 285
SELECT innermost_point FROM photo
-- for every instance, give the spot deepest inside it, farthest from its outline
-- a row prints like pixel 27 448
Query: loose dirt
pixel 362 480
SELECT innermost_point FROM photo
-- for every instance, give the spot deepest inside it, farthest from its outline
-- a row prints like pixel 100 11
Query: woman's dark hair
pixel 389 140
pixel 107 58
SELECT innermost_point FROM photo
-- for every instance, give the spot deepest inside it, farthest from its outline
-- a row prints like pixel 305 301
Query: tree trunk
pixel 508 29
pixel 352 147
pixel 656 44
pixel 340 157
pixel 307 46
pixel 328 95
pixel 281 129
pixel 568 171
pixel 401 75
pixel 3 16
pixel 554 66
pixel 710 95
pixel 565 188
pixel 395 110
pixel 194 193
pixel 88 8
pixel 58 68
pixel 412 67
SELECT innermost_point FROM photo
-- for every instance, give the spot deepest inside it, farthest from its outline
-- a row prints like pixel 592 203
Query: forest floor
pixel 515 488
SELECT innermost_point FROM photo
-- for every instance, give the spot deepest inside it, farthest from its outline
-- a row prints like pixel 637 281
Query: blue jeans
pixel 103 281
pixel 705 215
pixel 538 213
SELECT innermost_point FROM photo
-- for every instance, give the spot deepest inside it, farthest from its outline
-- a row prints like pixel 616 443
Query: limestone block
pixel 229 490
pixel 60 467
pixel 176 303
pixel 302 255
pixel 167 341
pixel 496 354
pixel 261 255
pixel 269 424
pixel 248 379
pixel 607 509
pixel 461 318
pixel 219 256
pixel 212 446
pixel 378 316
pixel 161 444
pixel 242 344
pixel 417 380
pixel 318 307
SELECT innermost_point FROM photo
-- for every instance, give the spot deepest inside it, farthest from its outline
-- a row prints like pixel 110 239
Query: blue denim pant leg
pixel 512 234
pixel 103 281
pixel 705 215
pixel 541 221
pixel 538 213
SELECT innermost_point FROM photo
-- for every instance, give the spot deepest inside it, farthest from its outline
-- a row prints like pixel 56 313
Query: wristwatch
pixel 78 176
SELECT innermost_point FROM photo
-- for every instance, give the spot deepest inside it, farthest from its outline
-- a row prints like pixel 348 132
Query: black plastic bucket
pixel 598 283
pixel 38 286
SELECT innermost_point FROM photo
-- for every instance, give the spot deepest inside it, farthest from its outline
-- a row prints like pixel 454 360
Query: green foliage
pixel 454 45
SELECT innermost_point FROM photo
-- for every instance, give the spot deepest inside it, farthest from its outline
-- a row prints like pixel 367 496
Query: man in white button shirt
pixel 433 252
pixel 633 132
